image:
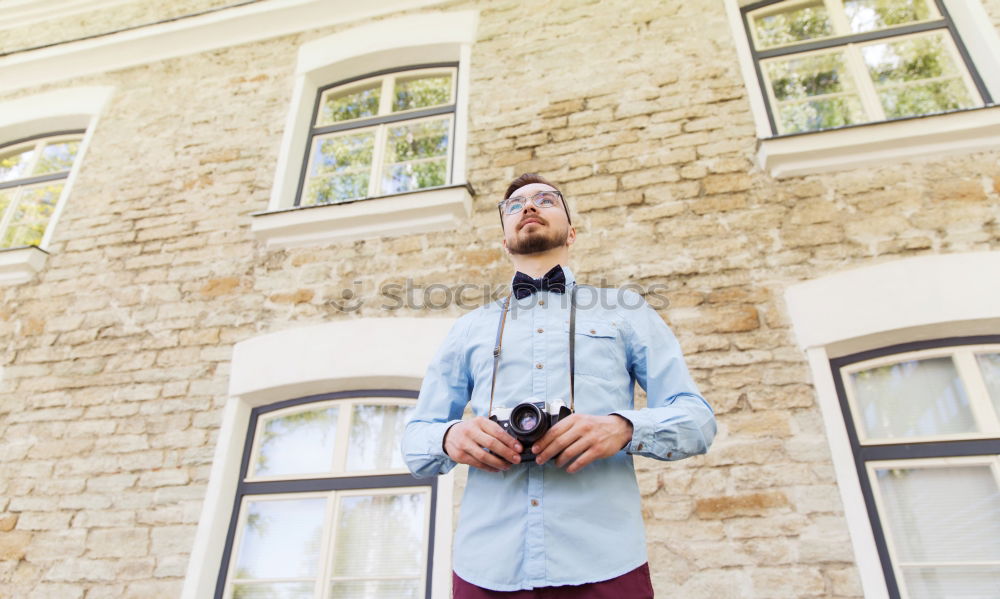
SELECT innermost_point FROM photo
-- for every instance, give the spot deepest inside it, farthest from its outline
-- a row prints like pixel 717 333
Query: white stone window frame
pixel 385 353
pixel 431 38
pixel 902 301
pixel 70 109
pixel 854 146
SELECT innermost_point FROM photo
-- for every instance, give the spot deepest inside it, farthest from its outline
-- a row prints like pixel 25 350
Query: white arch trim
pixel 390 43
pixel 911 299
pixel 363 353
pixel 49 112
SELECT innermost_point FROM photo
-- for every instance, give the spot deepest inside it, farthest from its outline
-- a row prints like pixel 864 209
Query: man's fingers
pixel 557 445
pixel 480 458
pixel 483 439
pixel 578 447
pixel 553 433
pixel 587 457
pixel 496 431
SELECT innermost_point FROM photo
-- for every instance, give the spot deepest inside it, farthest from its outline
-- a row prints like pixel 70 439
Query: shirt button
pixel 593 332
pixel 638 447
pixel 534 503
pixel 538 366
pixel 541 330
pixel 670 454
pixel 541 302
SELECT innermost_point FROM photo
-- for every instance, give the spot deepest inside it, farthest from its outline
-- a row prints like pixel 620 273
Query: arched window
pixel 325 507
pixel 33 173
pixel 923 421
pixel 381 134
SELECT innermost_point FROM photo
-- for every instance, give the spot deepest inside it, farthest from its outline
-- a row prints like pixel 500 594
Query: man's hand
pixel 585 437
pixel 467 442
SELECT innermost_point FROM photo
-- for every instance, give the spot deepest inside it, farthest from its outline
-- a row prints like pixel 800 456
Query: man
pixel 569 522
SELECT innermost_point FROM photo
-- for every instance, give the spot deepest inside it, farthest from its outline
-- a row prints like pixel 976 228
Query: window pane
pixel 917 75
pixel 300 443
pixel 954 582
pixel 796 24
pixel 281 539
pixel 914 398
pixel 375 436
pixel 421 92
pixel 416 155
pixel 341 104
pixel 56 157
pixel 15 165
pixel 32 214
pixel 380 535
pixel 822 81
pixel 944 514
pixel 989 364
pixel 340 168
pixel 377 589
pixel 869 15
pixel 273 590
pixel 6 197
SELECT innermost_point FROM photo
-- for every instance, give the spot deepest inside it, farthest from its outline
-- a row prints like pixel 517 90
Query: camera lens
pixel 528 422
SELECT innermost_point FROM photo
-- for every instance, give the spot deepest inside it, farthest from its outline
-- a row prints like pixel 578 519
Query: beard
pixel 536 242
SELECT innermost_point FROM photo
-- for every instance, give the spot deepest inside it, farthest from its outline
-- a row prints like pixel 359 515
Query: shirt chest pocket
pixel 599 351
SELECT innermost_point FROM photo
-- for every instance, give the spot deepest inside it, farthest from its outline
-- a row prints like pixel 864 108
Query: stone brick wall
pixel 115 359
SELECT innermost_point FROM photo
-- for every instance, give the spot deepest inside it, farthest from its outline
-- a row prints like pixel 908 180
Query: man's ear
pixel 570 237
pixel 503 243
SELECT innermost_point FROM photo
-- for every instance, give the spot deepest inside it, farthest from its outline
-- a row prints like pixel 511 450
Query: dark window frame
pixel 862 454
pixel 338 483
pixel 47 176
pixel 377 120
pixel 945 23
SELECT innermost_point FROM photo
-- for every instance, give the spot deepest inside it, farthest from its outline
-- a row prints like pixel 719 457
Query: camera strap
pixel 572 347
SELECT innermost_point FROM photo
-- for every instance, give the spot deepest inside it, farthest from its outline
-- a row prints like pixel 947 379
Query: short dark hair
pixel 528 179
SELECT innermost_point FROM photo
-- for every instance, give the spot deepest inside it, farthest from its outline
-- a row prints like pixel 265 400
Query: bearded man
pixel 552 506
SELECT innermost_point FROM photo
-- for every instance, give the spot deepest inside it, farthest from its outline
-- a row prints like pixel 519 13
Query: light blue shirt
pixel 535 526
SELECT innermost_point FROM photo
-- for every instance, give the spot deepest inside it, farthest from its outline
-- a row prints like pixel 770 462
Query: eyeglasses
pixel 542 199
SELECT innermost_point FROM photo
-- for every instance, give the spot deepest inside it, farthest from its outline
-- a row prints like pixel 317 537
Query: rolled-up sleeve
pixel 445 391
pixel 677 422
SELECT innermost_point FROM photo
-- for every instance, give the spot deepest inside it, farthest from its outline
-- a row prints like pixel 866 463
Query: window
pixel 381 135
pixel 379 112
pixel 325 507
pixel 33 173
pixel 833 63
pixel 924 424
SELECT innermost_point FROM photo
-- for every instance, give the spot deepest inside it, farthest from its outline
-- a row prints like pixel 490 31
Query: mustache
pixel 523 221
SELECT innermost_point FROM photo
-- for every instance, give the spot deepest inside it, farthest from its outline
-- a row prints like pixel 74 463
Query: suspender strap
pixel 572 348
pixel 496 351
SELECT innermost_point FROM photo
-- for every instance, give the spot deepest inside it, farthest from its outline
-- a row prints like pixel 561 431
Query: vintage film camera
pixel 529 420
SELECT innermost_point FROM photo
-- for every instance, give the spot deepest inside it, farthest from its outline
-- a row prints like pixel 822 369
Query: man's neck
pixel 536 265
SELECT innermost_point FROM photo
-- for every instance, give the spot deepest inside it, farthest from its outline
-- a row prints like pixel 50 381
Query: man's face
pixel 533 229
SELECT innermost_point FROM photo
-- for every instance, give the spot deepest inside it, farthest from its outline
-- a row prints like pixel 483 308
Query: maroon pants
pixel 631 585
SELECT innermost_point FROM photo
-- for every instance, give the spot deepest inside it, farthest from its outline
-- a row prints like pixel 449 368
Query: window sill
pixel 421 211
pixel 825 151
pixel 19 265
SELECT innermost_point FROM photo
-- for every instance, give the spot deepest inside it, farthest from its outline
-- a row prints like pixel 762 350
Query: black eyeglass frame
pixel 532 200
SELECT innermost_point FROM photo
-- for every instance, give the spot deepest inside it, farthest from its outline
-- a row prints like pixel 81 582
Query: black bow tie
pixel 554 280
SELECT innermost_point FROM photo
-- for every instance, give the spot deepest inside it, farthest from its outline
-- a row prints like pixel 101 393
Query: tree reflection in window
pixel 845 62
pixel 32 176
pixel 364 144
